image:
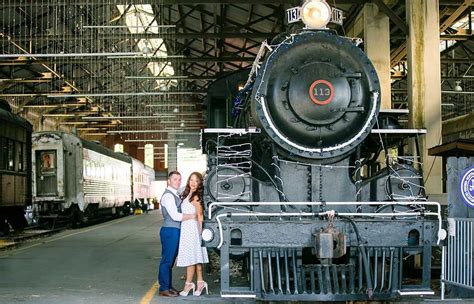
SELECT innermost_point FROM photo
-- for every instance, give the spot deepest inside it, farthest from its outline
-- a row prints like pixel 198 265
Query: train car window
pixel 25 157
pixel 2 153
pixel 11 155
pixel 47 162
pixel 46 176
pixel 19 151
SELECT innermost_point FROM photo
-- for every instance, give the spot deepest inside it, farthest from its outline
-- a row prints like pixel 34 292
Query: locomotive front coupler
pixel 329 242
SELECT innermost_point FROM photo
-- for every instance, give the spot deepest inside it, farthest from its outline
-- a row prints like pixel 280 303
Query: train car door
pixel 46 177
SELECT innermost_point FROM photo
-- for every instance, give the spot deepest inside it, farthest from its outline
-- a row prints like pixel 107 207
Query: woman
pixel 190 253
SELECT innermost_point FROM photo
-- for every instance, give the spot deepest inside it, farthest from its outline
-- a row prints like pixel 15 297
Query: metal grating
pixel 460 253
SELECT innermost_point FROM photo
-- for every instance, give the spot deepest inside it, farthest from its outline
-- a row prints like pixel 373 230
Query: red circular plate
pixel 325 89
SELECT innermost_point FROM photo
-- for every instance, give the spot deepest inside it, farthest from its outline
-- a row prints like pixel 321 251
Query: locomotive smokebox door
pixel 330 243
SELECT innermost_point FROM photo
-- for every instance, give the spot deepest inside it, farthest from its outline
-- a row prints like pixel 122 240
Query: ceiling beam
pixel 116 36
pixel 35 3
pixel 391 15
pixel 455 15
pixel 138 58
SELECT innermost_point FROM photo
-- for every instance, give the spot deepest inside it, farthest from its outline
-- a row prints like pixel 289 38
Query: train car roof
pixel 103 150
pixel 9 117
pixel 142 163
pixel 97 147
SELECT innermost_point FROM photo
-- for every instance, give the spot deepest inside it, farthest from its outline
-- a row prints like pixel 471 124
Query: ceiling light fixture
pixel 458 87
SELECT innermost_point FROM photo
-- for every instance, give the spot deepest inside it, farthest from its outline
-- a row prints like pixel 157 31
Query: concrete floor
pixel 113 262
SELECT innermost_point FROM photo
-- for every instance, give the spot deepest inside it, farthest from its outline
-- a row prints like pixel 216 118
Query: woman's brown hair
pixel 196 194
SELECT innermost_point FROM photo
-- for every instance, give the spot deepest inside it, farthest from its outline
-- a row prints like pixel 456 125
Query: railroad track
pixel 16 238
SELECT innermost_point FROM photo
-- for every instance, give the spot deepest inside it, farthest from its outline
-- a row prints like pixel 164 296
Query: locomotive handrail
pixel 312 214
pixel 209 211
pixel 398 131
pixel 440 234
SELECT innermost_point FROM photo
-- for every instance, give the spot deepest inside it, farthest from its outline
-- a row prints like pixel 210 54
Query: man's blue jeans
pixel 169 250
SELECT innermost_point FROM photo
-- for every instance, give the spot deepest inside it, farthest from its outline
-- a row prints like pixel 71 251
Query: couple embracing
pixel 181 235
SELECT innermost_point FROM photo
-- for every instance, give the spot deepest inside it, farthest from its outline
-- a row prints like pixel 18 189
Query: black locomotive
pixel 15 169
pixel 313 187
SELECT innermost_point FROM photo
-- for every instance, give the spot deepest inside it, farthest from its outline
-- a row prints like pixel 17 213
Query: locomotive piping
pixel 278 181
pixel 272 181
pixel 368 276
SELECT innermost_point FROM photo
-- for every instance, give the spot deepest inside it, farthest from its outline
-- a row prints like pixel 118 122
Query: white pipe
pixel 443 266
pixel 318 204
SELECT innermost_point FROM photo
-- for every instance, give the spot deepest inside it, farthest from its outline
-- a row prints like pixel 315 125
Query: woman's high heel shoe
pixel 199 291
pixel 188 286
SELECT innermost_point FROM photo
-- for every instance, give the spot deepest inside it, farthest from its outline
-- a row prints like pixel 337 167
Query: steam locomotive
pixel 313 187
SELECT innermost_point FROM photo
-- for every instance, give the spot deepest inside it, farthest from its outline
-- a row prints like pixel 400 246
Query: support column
pixel 424 83
pixel 377 47
pixel 172 154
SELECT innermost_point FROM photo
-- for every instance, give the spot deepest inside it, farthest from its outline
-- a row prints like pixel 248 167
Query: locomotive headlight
pixel 207 235
pixel 316 13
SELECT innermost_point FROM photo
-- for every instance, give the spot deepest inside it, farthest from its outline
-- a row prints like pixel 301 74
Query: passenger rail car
pixel 80 179
pixel 143 176
pixel 313 186
pixel 15 169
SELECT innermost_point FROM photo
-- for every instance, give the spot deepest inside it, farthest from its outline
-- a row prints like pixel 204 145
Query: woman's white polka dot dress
pixel 190 251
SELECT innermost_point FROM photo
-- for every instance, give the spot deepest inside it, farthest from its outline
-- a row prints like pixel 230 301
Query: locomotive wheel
pixel 17 220
pixel 4 227
pixel 125 210
pixel 76 218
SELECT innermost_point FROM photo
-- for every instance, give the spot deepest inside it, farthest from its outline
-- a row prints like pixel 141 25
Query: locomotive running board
pixel 394 111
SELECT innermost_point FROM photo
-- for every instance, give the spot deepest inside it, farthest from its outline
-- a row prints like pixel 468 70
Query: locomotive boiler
pixel 314 187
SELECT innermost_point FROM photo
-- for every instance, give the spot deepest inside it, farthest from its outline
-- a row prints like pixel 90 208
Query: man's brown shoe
pixel 167 293
pixel 173 290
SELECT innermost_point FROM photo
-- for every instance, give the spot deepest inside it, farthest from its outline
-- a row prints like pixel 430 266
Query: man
pixel 169 233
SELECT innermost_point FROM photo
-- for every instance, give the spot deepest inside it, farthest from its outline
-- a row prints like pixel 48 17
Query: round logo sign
pixel 321 92
pixel 467 187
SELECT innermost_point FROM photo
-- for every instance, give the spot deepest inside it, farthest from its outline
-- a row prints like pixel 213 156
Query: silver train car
pixel 76 179
pixel 143 176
